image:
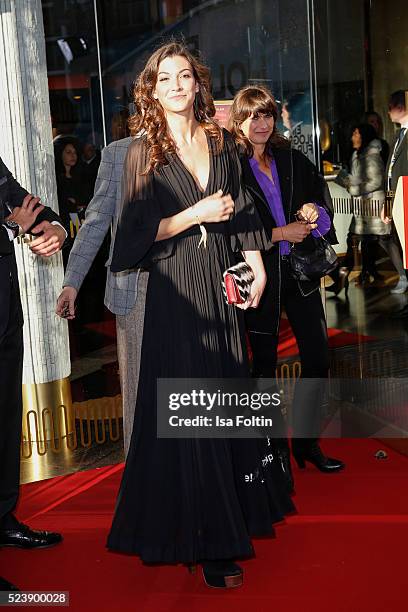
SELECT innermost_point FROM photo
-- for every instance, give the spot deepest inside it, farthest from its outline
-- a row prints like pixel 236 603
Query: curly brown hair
pixel 251 101
pixel 149 117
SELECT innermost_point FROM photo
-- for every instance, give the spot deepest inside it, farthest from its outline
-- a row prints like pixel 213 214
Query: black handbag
pixel 311 265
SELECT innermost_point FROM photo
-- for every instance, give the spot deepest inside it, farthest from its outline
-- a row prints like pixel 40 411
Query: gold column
pixel 47 411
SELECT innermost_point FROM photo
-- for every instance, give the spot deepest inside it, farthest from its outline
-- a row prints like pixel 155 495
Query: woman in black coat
pixel 288 192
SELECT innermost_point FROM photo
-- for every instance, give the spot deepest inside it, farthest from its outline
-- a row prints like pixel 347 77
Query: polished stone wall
pixel 26 148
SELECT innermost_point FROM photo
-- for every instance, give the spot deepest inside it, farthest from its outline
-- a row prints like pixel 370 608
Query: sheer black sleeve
pixel 140 217
pixel 135 245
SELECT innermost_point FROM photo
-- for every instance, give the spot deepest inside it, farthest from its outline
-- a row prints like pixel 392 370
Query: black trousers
pixel 11 371
pixel 306 317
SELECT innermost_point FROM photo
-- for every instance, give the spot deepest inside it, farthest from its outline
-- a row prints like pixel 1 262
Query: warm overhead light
pixel 77 97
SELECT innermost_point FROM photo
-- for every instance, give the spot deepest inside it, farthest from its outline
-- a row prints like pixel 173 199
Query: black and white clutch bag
pixel 237 282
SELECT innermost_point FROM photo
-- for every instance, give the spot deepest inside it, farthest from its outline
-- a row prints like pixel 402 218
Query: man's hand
pixel 66 303
pixel 26 214
pixel 50 242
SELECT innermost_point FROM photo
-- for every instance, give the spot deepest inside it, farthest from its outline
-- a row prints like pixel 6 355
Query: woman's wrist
pixel 260 275
pixel 198 221
pixel 195 217
pixel 278 234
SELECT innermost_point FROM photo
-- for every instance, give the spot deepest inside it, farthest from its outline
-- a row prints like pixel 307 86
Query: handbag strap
pixel 321 236
pixel 293 244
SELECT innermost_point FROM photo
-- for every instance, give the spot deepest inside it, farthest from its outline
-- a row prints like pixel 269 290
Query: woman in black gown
pixel 189 500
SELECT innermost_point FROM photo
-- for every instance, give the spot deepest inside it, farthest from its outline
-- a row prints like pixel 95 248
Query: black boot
pixel 309 450
pixel 341 281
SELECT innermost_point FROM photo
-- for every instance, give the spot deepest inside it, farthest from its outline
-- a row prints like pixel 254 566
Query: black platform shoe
pixel 313 454
pixel 222 574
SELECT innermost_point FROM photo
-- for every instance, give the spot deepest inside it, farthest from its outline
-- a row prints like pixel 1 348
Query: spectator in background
pixel 91 158
pixel 366 182
pixel 70 187
pixel 374 119
pixel 398 161
pixel 397 165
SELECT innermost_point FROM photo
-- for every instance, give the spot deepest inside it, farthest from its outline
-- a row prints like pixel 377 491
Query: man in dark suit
pixel 398 160
pixel 20 213
pixel 398 163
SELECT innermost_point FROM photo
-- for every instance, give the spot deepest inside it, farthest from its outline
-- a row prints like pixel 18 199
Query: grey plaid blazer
pixel 102 212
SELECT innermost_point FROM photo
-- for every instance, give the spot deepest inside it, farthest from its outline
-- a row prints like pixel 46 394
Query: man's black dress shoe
pixel 5 585
pixel 22 536
pixel 400 314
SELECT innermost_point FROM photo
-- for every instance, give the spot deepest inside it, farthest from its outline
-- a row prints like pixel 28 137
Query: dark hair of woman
pixel 149 116
pixel 250 101
pixel 59 147
pixel 367 133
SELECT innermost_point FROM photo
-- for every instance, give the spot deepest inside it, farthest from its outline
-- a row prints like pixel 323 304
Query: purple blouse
pixel 272 193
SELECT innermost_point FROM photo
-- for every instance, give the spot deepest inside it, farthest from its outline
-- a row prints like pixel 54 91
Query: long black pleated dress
pixel 185 500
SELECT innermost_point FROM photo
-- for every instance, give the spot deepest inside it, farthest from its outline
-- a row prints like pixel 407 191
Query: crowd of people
pixel 187 200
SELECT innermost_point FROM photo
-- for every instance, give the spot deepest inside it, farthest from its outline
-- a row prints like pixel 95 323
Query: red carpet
pixel 344 552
